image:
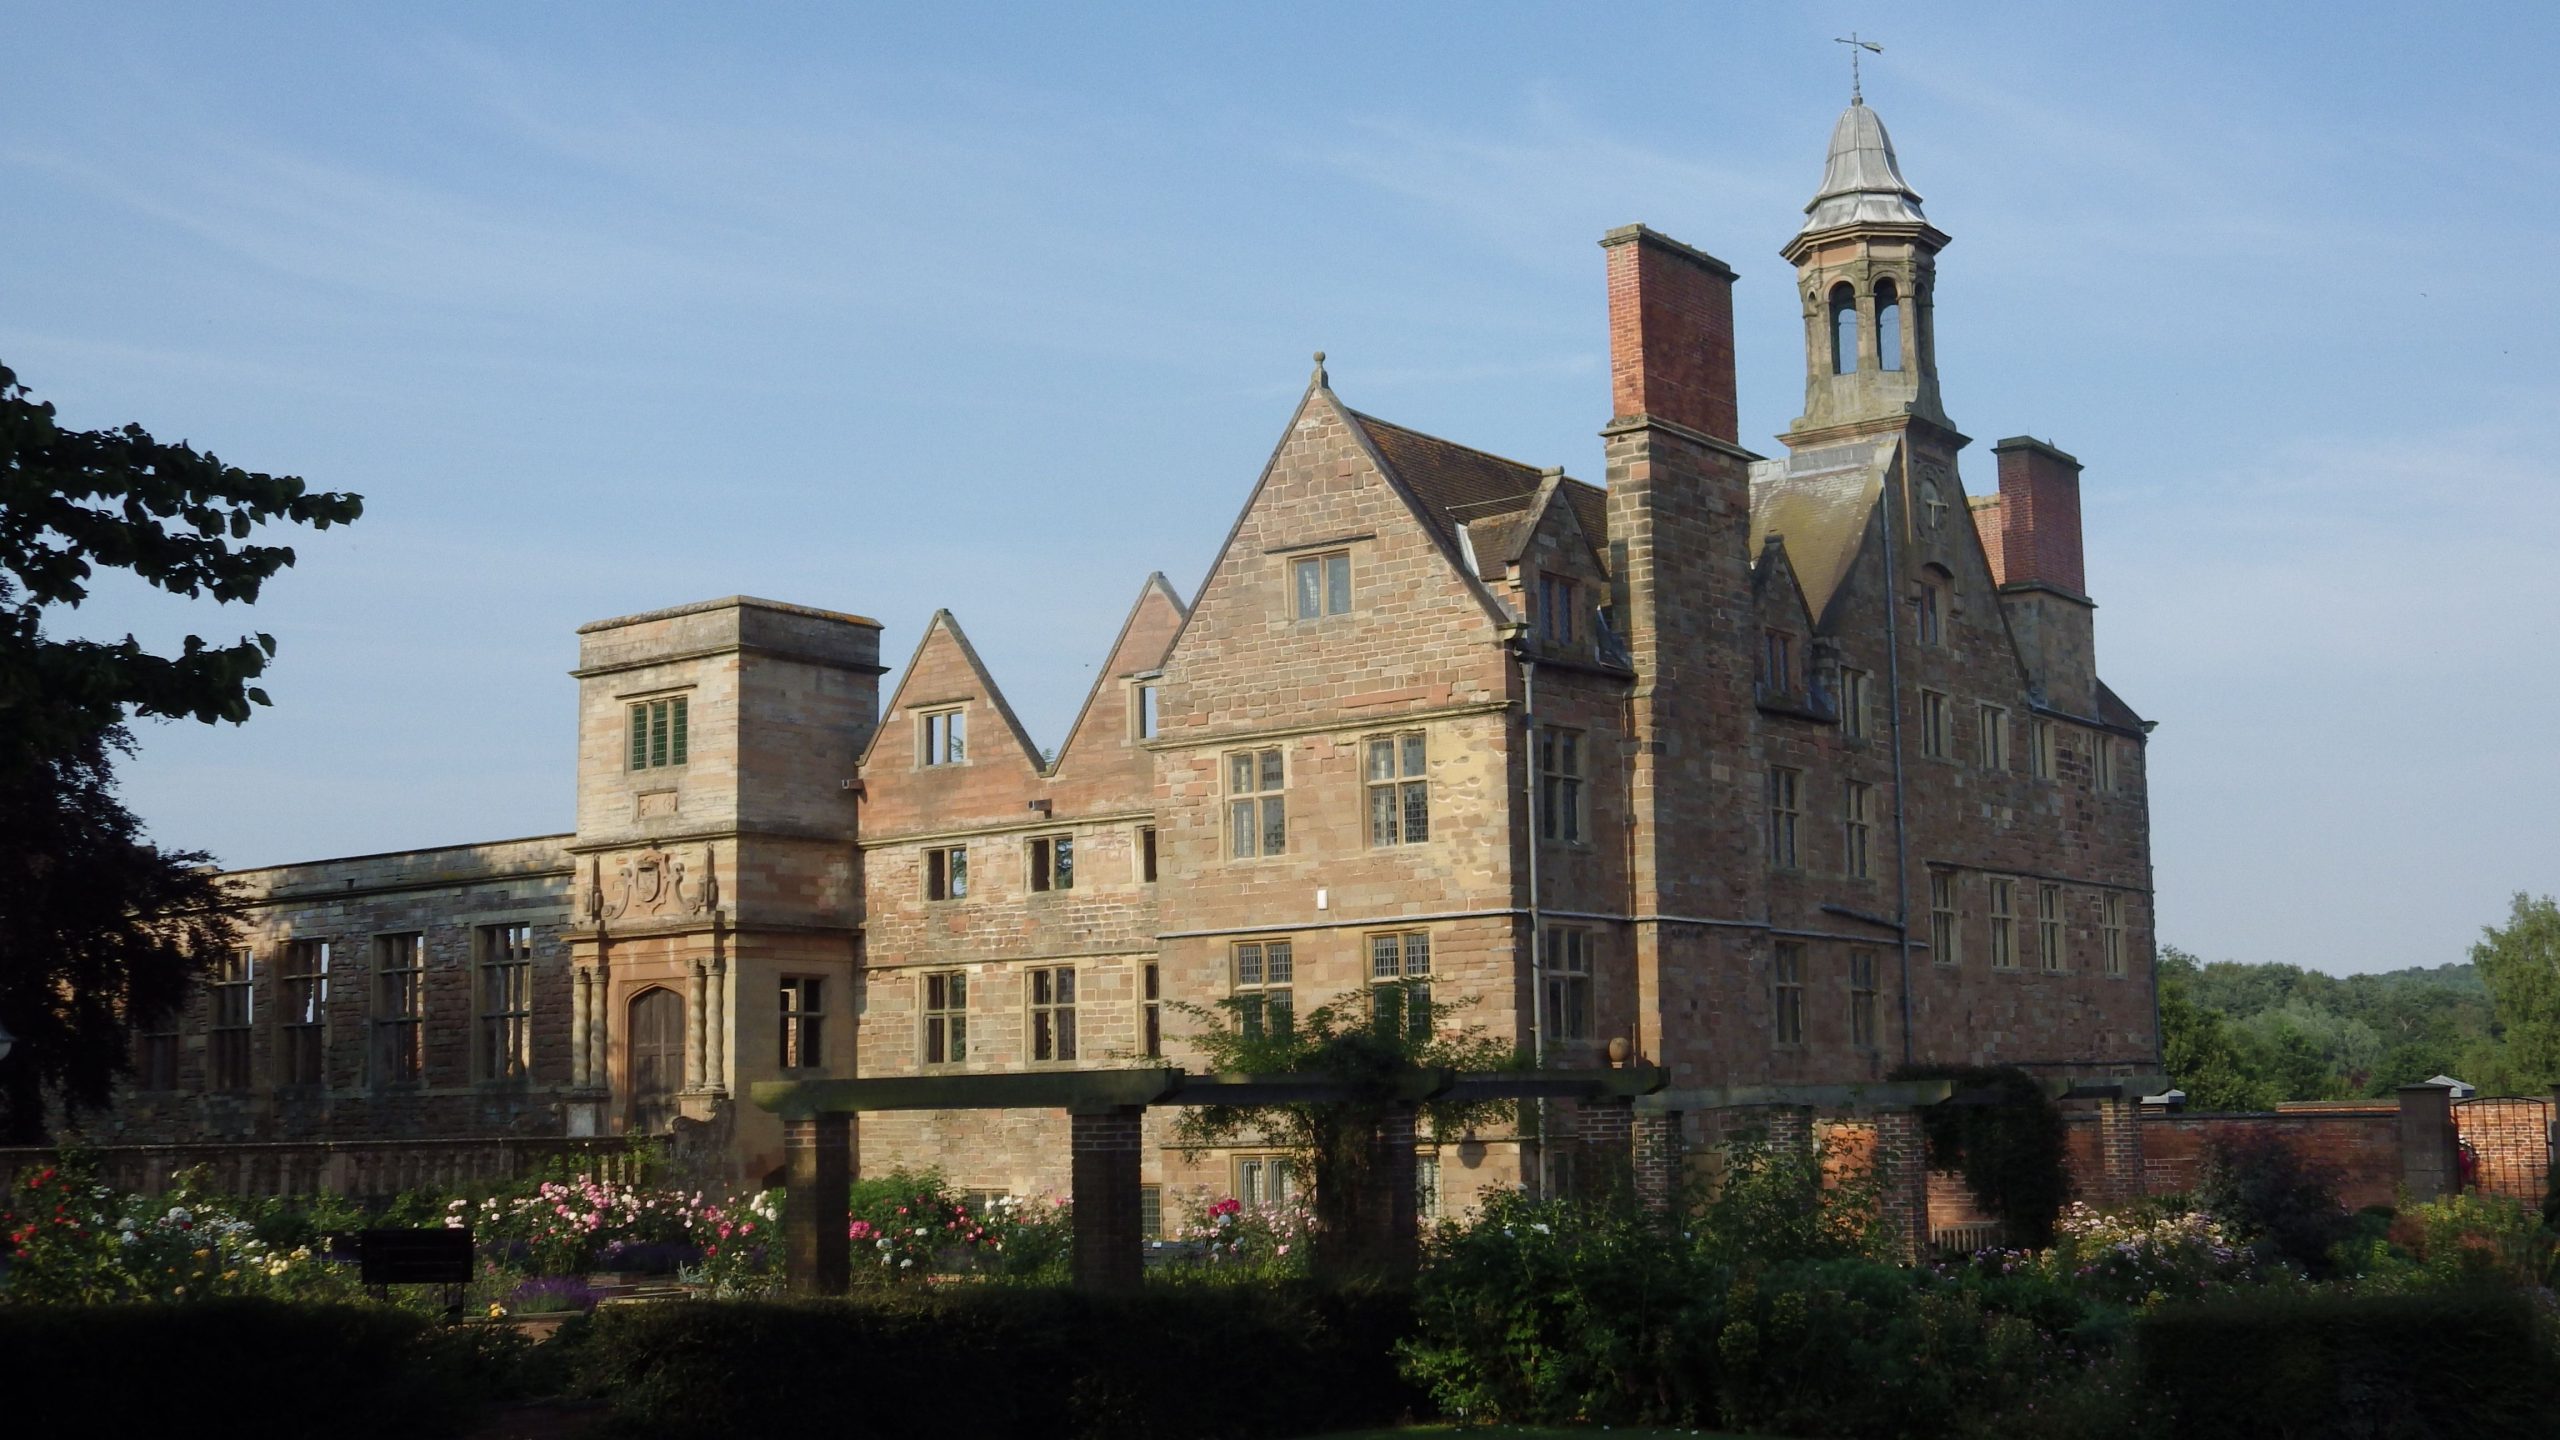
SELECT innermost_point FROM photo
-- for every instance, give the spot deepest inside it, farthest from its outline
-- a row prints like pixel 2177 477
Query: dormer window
pixel 1777 662
pixel 1555 610
pixel 1888 325
pixel 1844 329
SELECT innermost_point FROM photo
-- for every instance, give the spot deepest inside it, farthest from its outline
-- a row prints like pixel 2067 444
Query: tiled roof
pixel 2114 711
pixel 1459 485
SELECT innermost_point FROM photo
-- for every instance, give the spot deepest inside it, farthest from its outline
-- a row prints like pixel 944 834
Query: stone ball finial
pixel 1620 1052
pixel 1320 380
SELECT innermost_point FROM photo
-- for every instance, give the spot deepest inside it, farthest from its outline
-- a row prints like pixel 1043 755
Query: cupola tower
pixel 1866 269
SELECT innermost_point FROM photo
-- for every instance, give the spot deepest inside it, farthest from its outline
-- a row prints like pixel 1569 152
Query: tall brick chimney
pixel 2039 516
pixel 1670 333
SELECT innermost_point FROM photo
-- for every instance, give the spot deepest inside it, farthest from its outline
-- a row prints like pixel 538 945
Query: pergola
pixel 1630 1111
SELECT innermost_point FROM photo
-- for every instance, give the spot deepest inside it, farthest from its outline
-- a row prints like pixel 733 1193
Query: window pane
pixel 1063 862
pixel 1275 826
pixel 1417 812
pixel 1386 957
pixel 1240 774
pixel 1278 962
pixel 1270 762
pixel 639 737
pixel 658 732
pixel 1337 584
pixel 1417 953
pixel 1310 590
pixel 1413 755
pixel 1248 964
pixel 676 755
pixel 1382 815
pixel 1382 759
pixel 1240 829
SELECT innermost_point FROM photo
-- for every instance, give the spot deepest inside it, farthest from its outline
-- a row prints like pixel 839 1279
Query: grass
pixel 1530 1432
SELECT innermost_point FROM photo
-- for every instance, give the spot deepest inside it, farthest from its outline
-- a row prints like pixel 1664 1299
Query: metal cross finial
pixel 1855 45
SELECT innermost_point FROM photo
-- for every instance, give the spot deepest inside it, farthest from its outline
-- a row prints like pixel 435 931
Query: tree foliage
pixel 100 930
pixel 75 501
pixel 2249 1037
pixel 1366 1041
pixel 2004 1135
pixel 2520 964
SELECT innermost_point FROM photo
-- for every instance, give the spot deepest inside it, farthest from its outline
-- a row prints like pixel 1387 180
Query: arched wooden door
pixel 657 1059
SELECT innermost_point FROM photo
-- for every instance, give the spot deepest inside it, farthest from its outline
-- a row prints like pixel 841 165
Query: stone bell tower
pixel 1866 272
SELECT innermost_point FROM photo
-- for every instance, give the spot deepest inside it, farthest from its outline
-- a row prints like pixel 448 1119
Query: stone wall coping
pixel 1883 1095
pixel 1089 1090
pixel 727 602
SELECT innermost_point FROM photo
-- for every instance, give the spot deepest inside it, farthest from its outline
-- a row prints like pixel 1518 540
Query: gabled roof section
pixel 1138 647
pixel 1821 502
pixel 2115 712
pixel 1774 581
pixel 945 628
pixel 1461 485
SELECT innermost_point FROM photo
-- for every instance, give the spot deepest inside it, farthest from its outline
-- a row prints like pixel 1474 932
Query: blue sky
pixel 885 308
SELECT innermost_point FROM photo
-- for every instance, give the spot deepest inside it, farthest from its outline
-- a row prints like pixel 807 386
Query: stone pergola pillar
pixel 817 1156
pixel 1608 1140
pixel 1105 1144
pixel 2428 1168
pixel 1902 1178
pixel 1654 1156
pixel 1399 1212
pixel 697 1000
pixel 582 999
pixel 1791 1129
pixel 2120 1178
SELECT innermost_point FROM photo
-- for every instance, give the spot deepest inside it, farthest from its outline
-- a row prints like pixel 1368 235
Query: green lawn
pixel 1530 1432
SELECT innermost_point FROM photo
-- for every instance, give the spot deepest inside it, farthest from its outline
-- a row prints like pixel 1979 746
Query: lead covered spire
pixel 1862 180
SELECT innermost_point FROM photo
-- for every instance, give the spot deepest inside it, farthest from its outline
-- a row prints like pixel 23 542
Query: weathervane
pixel 1855 45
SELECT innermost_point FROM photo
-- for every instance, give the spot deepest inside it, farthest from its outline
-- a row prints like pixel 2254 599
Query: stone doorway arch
pixel 655 1075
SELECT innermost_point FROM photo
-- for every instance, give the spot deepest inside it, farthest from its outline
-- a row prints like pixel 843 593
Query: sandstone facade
pixel 1790 770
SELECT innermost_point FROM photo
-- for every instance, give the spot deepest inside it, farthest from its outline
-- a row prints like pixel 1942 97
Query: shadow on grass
pixel 1527 1432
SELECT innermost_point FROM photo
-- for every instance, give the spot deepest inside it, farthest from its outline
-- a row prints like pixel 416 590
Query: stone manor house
pixel 1779 770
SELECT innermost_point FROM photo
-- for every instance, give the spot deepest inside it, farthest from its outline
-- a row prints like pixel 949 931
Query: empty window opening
pixel 1888 325
pixel 1844 329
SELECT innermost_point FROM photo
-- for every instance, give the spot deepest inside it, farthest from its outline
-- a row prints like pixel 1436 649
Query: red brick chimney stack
pixel 1670 333
pixel 2039 516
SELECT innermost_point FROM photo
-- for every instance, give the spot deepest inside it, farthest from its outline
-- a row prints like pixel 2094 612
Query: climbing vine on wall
pixel 2004 1135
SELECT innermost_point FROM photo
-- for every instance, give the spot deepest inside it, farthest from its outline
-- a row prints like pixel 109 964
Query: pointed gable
pixel 998 764
pixel 1105 733
pixel 1822 502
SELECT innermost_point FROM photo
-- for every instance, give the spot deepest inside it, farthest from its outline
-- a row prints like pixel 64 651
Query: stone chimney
pixel 2039 516
pixel 1670 333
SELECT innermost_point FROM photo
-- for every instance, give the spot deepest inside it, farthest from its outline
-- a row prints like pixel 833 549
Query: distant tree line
pixel 2240 1036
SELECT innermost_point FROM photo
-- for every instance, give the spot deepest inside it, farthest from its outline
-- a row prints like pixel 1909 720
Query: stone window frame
pixel 1049 863
pixel 1946 916
pixel 801 1016
pixel 2102 763
pixel 1151 1009
pixel 1329 573
pixel 1260 988
pixel 1991 737
pixel 2042 748
pixel 1399 976
pixel 1937 725
pixel 1566 965
pixel 302 1013
pixel 396 1012
pixel 942 736
pixel 1142 853
pixel 231 1013
pixel 2111 934
pixel 1049 999
pixel 944 880
pixel 502 1002
pixel 1855 697
pixel 942 1019
pixel 1251 789
pixel 1786 815
pixel 2052 938
pixel 656 730
pixel 1935 606
pixel 1426 1183
pixel 1262 1179
pixel 1557 601
pixel 1146 707
pixel 1857 830
pixel 1563 818
pixel 1862 997
pixel 1151 1212
pixel 1407 755
pixel 1786 994
pixel 1777 661
pixel 2000 908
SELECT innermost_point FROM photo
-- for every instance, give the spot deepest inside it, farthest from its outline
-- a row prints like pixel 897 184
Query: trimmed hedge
pixel 280 1371
pixel 1179 1363
pixel 2453 1365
